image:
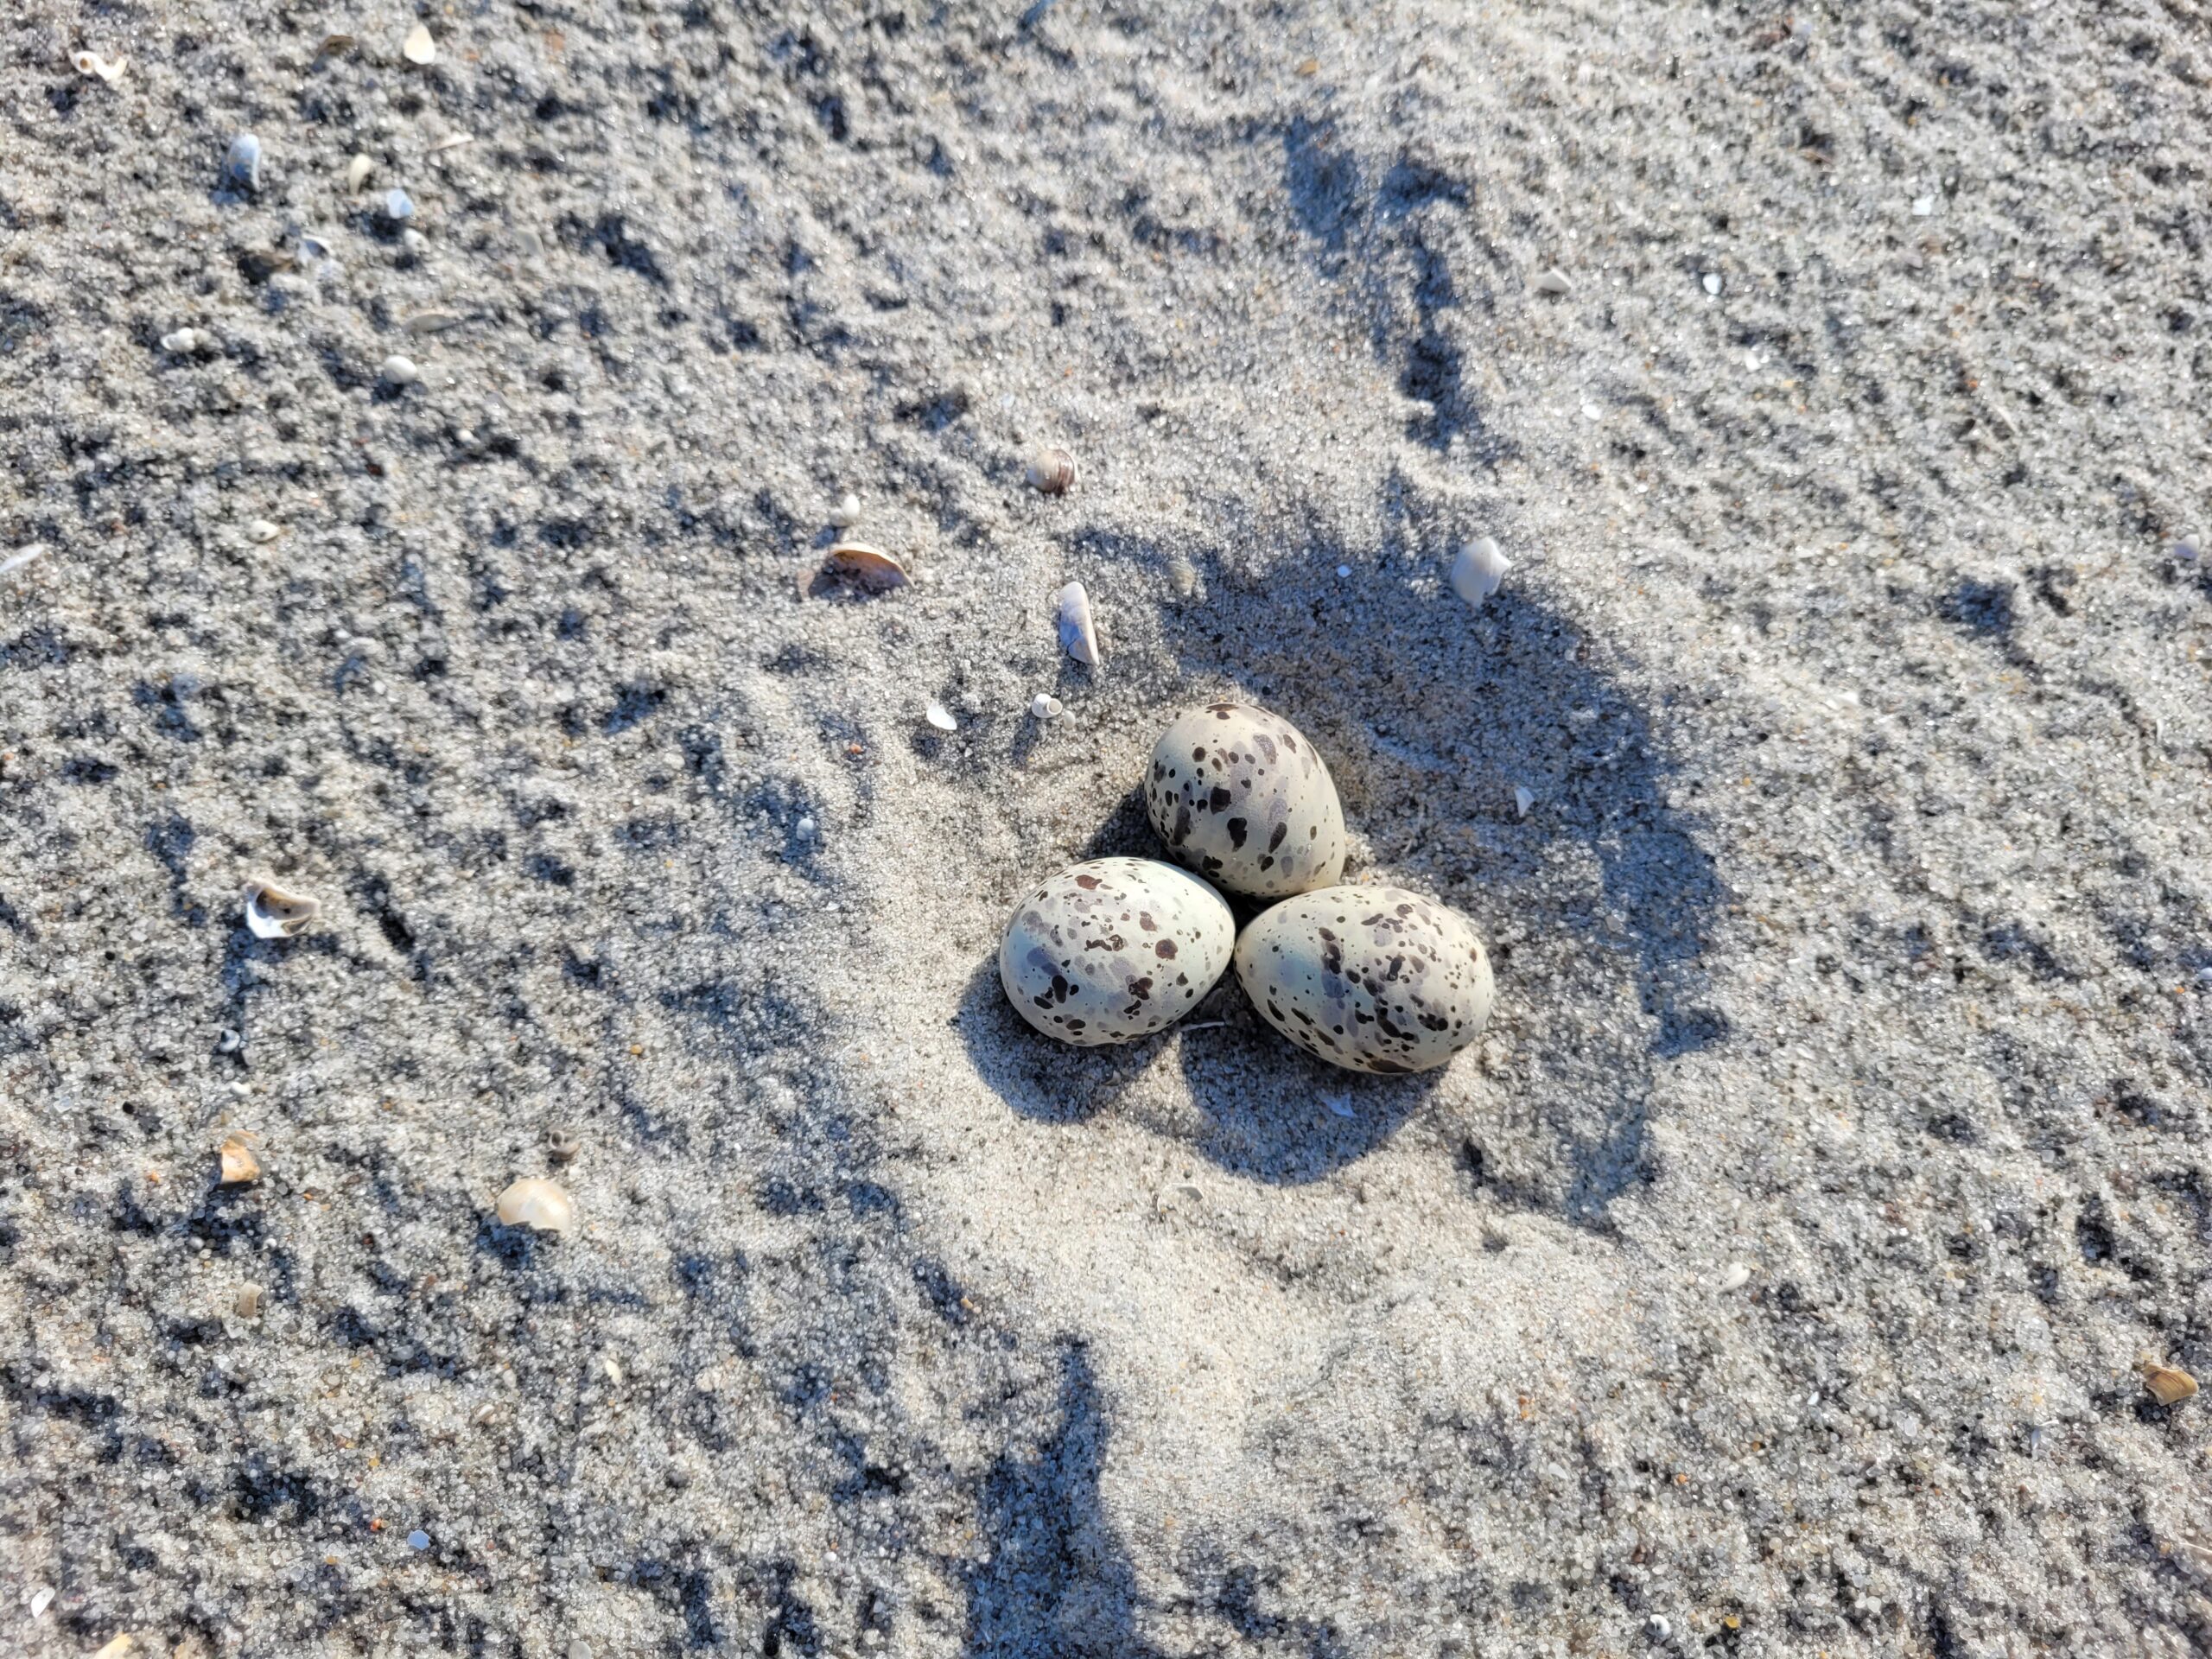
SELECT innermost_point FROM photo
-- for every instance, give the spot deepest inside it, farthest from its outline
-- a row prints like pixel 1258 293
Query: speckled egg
pixel 1115 949
pixel 1242 797
pixel 1372 979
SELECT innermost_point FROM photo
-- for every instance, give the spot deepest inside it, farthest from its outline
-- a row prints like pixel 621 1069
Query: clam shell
pixel 871 564
pixel 239 1165
pixel 419 47
pixel 2169 1384
pixel 540 1205
pixel 1479 570
pixel 273 913
pixel 1050 471
pixel 1078 637
pixel 243 164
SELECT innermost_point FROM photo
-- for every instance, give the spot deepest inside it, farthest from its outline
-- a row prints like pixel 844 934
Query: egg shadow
pixel 1599 901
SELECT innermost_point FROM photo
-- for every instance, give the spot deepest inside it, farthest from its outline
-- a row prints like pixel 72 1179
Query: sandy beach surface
pixel 1828 779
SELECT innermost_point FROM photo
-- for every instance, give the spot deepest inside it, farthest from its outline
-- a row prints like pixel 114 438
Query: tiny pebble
pixel 846 513
pixel 1657 1628
pixel 418 1539
pixel 419 47
pixel 2190 546
pixel 243 164
pixel 1592 412
pixel 183 343
pixel 261 530
pixel 1922 206
pixel 806 827
pixel 1713 282
pixel 399 206
pixel 399 370
pixel 1737 1277
pixel 1344 570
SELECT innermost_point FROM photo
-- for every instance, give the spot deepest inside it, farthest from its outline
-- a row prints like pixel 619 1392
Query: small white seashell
pixel 419 47
pixel 248 1303
pixel 875 568
pixel 1183 576
pixel 28 556
pixel 1713 282
pixel 273 913
pixel 1078 638
pixel 1556 283
pixel 1044 707
pixel 1737 1277
pixel 91 63
pixel 398 371
pixel 40 1600
pixel 563 1146
pixel 431 322
pixel 243 164
pixel 315 247
pixel 1479 570
pixel 940 716
pixel 1523 799
pixel 1050 471
pixel 538 1204
pixel 357 174
pixel 261 530
pixel 1922 206
pixel 846 513
pixel 452 141
pixel 399 206
pixel 182 343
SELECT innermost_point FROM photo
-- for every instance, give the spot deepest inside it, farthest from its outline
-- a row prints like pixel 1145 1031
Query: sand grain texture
pixel 1856 934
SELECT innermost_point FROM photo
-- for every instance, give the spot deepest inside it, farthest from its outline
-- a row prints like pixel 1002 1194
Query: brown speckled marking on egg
pixel 1372 979
pixel 1240 796
pixel 1113 949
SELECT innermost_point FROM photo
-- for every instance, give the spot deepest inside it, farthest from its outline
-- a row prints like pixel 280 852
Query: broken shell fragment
pixel 273 913
pixel 1044 707
pixel 1050 471
pixel 333 44
pixel 1183 576
pixel 248 1303
pixel 563 1146
pixel 873 566
pixel 538 1204
pixel 262 531
pixel 419 47
pixel 940 716
pixel 1556 283
pixel 1078 638
pixel 846 513
pixel 2169 1384
pixel 399 206
pixel 239 1164
pixel 183 343
pixel 357 174
pixel 243 164
pixel 1479 570
pixel 91 63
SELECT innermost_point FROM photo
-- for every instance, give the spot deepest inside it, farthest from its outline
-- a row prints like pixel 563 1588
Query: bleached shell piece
pixel 243 164
pixel 1372 979
pixel 181 342
pixel 846 513
pixel 1479 571
pixel 399 206
pixel 357 174
pixel 1243 799
pixel 91 63
pixel 540 1205
pixel 940 716
pixel 248 1303
pixel 273 913
pixel 870 563
pixel 398 371
pixel 432 322
pixel 23 559
pixel 1044 707
pixel 419 47
pixel 1050 471
pixel 1113 949
pixel 239 1164
pixel 2169 1384
pixel 1183 576
pixel 1078 634
pixel 262 531
pixel 1556 283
